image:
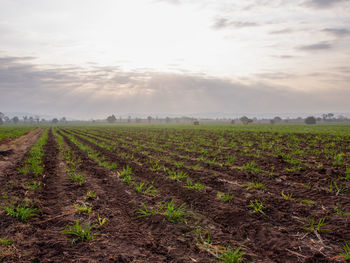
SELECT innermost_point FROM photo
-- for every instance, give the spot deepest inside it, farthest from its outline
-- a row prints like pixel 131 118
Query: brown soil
pixel 277 237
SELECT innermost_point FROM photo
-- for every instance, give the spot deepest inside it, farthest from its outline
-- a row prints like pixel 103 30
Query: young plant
pixel 90 195
pixel 308 202
pixel 196 186
pixel 127 171
pixel 145 212
pixel 101 221
pixel 22 213
pixel 257 206
pixel 179 164
pixel 177 175
pixel 287 196
pixel 78 179
pixel 146 190
pixel 79 232
pixel 231 256
pixel 319 227
pixel 335 187
pixel 5 242
pixel 339 211
pixel 175 214
pixel 127 179
pixel 251 167
pixel 346 177
pixel 338 159
pixel 83 208
pixel 230 160
pixel 255 185
pixel 224 197
pixel 346 254
pixel 33 186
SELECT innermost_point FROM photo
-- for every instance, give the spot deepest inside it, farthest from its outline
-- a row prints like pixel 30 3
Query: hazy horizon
pixel 90 59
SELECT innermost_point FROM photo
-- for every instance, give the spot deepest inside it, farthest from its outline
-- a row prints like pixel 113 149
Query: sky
pixel 89 59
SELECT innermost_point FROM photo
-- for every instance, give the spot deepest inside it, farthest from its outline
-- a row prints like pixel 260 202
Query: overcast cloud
pixel 87 59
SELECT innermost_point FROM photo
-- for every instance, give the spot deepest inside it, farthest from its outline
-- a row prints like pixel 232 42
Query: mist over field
pixel 89 59
pixel 175 131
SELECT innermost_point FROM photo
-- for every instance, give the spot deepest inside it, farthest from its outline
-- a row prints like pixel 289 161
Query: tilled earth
pixel 281 234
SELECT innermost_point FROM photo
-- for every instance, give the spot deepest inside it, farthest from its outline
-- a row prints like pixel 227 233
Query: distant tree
pixel 54 120
pixel 149 119
pixel 310 120
pixel 15 120
pixel 25 118
pixel 245 120
pixel 7 119
pixel 43 120
pixel 31 119
pixel 37 119
pixel 129 119
pixel 196 122
pixel 232 121
pixel 1 121
pixel 2 115
pixel 272 121
pixel 138 120
pixel 111 119
pixel 63 120
pixel 167 120
pixel 327 116
pixel 277 119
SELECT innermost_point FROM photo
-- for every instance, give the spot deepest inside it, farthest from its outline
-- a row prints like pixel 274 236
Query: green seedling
pixel 146 190
pixel 335 187
pixel 78 179
pixel 251 167
pixel 224 197
pixel 254 185
pixel 287 196
pixel 5 242
pixel 231 256
pixel 157 167
pixel 145 212
pixel 346 254
pixel 230 160
pixel 178 164
pixel 79 232
pixel 101 221
pixel 308 202
pixel 127 179
pixel 319 227
pixel 339 211
pixel 83 208
pixel 90 195
pixel 190 185
pixel 175 214
pixel 346 177
pixel 177 175
pixel 338 159
pixel 33 186
pixel 127 171
pixel 22 213
pixel 295 168
pixel 257 206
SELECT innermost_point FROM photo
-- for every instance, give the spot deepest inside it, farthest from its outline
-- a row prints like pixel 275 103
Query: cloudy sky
pixel 90 58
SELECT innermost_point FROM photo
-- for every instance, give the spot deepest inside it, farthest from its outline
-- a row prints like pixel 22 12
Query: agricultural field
pixel 144 193
pixel 12 132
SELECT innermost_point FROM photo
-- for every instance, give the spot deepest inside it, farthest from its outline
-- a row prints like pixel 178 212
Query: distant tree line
pixel 29 120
